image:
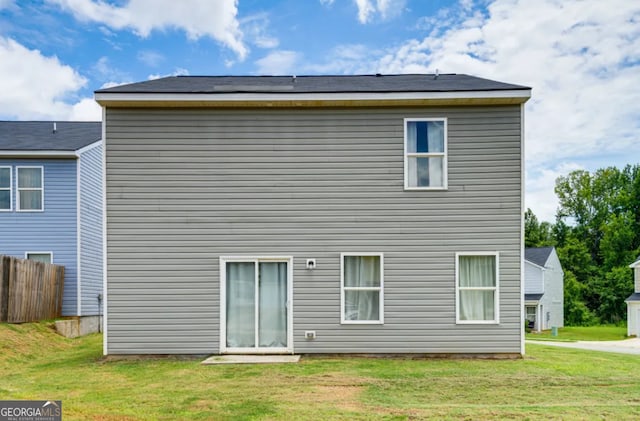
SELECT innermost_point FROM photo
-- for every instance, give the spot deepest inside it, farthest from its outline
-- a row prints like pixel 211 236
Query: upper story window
pixel 477 282
pixel 30 189
pixel 362 293
pixel 425 153
pixel 5 188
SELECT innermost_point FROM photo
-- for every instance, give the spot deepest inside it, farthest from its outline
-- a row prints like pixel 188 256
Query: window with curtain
pixel 39 257
pixel 5 188
pixel 425 161
pixel 477 288
pixel 30 189
pixel 362 282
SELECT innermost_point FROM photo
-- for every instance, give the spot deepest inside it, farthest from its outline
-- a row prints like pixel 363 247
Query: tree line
pixel 597 235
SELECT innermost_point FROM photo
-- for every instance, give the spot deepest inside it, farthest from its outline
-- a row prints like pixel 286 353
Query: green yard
pixel 583 333
pixel 549 383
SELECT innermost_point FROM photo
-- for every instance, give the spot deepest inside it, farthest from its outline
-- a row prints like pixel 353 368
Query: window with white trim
pixel 30 189
pixel 362 280
pixel 425 153
pixel 5 188
pixel 44 257
pixel 477 286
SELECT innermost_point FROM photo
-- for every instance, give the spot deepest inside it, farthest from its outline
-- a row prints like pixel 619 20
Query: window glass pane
pixel 5 178
pixel 477 271
pixel 30 177
pixel 5 199
pixel 425 172
pixel 31 199
pixel 477 305
pixel 362 271
pixel 362 305
pixel 531 314
pixel 272 295
pixel 39 257
pixel 241 304
pixel 425 136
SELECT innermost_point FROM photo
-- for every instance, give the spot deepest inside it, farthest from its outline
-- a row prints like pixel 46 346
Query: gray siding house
pixel 543 288
pixel 314 214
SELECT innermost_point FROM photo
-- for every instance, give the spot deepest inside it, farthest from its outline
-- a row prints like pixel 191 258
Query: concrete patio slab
pixel 252 359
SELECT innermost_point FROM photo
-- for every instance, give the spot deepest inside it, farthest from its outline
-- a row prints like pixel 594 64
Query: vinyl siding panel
pixel 91 274
pixel 53 230
pixel 186 186
pixel 532 279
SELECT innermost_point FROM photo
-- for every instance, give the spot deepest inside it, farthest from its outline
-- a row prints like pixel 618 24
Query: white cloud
pixel 200 18
pixel 179 71
pixel 255 27
pixel 581 58
pixel 326 2
pixel 280 62
pixel 541 196
pixel 150 58
pixel 387 9
pixel 34 86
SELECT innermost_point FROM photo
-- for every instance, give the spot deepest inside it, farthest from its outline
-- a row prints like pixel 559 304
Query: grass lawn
pixel 549 383
pixel 584 333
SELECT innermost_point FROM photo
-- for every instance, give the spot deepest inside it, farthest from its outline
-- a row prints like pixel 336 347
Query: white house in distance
pixel 544 288
pixel 633 302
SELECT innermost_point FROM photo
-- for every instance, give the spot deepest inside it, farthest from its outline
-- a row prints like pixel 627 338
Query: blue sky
pixel 582 58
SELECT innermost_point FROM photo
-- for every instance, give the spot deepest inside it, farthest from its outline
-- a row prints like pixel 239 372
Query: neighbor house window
pixel 477 282
pixel 425 153
pixel 5 188
pixel 44 257
pixel 30 189
pixel 362 288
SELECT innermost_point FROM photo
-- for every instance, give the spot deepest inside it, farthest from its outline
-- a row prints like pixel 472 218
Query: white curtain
pixel 474 272
pixel 30 178
pixel 435 136
pixel 364 272
pixel 272 293
pixel 240 304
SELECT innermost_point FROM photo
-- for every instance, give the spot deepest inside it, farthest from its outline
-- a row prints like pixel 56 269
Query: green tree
pixel 537 234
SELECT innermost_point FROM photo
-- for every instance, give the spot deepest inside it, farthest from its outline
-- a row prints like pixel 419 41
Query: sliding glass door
pixel 256 313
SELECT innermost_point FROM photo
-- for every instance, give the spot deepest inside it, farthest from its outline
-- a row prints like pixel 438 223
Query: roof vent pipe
pixel 55 127
pixel 437 73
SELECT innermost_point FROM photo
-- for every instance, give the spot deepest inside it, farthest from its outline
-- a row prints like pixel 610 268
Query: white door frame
pixel 223 305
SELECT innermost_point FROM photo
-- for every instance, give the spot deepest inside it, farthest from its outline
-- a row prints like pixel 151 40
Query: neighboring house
pixel 633 302
pixel 51 203
pixel 543 288
pixel 314 214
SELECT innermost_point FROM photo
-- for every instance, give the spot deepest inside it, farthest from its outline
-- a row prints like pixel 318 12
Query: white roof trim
pixel 319 96
pixel 89 147
pixel 635 264
pixel 35 154
pixel 533 264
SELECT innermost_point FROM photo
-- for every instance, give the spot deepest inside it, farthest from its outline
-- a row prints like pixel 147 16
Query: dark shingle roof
pixel 532 297
pixel 39 135
pixel 315 84
pixel 634 297
pixel 537 255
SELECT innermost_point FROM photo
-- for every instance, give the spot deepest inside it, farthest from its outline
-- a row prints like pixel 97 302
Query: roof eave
pixel 371 99
pixel 37 154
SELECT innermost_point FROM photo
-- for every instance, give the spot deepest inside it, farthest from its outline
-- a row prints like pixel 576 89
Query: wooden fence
pixel 29 290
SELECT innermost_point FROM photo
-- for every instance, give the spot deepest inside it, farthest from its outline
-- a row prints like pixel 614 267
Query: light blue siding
pixel 53 230
pixel 90 171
